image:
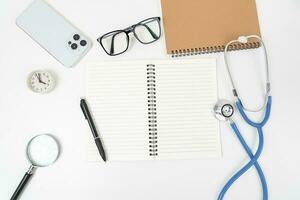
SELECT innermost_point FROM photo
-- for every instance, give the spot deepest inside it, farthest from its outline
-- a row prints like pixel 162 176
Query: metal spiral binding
pixel 152 119
pixel 215 49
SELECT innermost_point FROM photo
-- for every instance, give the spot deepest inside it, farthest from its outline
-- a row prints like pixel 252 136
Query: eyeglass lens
pixel 115 43
pixel 147 31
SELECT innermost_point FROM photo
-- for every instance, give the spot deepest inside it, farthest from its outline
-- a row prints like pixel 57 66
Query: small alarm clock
pixel 41 81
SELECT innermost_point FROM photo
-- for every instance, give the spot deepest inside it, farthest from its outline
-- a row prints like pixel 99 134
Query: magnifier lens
pixel 42 150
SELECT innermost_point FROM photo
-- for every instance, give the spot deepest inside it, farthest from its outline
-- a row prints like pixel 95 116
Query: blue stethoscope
pixel 224 110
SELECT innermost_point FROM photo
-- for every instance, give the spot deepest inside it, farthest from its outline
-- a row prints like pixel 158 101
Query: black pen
pixel 89 118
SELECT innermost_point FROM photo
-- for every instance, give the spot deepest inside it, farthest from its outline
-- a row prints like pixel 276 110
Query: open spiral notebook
pixel 158 109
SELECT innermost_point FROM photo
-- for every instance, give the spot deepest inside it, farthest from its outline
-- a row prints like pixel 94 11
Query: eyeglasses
pixel 117 42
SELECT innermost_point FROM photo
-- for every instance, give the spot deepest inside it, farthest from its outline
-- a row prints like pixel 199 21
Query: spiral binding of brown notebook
pixel 205 26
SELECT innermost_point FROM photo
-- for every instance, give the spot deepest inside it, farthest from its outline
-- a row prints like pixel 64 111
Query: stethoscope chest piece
pixel 223 110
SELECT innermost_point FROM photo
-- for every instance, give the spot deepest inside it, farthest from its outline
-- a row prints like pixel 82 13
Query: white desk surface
pixel 24 114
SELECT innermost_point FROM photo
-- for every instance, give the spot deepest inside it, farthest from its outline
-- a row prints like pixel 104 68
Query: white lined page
pixel 186 90
pixel 117 96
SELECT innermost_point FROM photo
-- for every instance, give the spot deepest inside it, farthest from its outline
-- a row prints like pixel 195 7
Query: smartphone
pixel 54 33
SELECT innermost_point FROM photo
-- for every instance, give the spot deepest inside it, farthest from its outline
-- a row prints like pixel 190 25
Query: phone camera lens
pixel 82 42
pixel 74 46
pixel 76 37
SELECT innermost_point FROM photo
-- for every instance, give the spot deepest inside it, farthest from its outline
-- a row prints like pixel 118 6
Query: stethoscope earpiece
pixel 223 110
pixel 242 39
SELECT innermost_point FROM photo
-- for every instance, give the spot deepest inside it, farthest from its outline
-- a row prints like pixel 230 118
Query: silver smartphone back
pixel 54 33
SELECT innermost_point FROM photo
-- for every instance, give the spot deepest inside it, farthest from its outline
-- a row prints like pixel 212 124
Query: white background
pixel 24 114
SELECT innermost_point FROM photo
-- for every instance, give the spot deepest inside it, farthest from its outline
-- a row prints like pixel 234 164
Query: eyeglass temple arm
pixel 112 50
pixel 129 29
pixel 151 32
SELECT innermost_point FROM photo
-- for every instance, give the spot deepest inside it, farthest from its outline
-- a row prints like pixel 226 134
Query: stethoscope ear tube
pixel 243 40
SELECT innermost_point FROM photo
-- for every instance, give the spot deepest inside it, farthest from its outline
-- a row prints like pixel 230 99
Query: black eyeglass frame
pixel 132 29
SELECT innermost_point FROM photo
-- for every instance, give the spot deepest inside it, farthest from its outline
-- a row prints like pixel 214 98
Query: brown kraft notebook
pixel 205 26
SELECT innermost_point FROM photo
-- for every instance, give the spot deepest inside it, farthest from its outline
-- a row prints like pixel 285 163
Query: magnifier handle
pixel 23 183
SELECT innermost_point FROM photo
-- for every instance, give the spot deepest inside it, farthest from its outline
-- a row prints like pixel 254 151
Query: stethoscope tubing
pixel 246 167
pixel 252 162
pixel 256 164
pixel 255 157
pixel 240 107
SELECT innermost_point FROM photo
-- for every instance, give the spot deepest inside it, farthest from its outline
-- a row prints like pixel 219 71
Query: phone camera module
pixel 83 43
pixel 74 46
pixel 76 37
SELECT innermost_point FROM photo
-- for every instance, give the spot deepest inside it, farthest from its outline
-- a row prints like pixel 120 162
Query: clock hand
pixel 37 75
pixel 43 82
pixel 40 79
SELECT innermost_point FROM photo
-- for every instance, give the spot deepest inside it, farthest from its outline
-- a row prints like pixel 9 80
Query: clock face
pixel 41 81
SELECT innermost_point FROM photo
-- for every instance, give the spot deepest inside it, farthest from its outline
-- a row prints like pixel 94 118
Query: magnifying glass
pixel 42 151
